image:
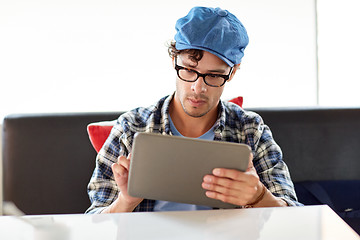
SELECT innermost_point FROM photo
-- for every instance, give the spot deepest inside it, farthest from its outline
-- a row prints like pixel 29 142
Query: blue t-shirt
pixel 173 206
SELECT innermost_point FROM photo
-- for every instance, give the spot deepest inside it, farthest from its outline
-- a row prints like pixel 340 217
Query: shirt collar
pixel 165 115
pixel 218 126
pixel 220 122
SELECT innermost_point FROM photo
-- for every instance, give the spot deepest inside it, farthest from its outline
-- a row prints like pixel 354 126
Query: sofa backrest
pixel 48 161
pixel 317 143
pixel 48 158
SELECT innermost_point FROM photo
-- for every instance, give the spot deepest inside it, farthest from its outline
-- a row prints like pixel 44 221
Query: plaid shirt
pixel 233 125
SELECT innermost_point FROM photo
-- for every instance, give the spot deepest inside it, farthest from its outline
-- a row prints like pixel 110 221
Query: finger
pixel 229 187
pixel 125 162
pixel 249 177
pixel 221 189
pixel 225 182
pixel 243 191
pixel 227 198
pixel 119 170
pixel 229 173
pixel 251 164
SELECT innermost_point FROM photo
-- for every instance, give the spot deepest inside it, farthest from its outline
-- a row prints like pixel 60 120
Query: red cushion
pixel 98 132
pixel 237 100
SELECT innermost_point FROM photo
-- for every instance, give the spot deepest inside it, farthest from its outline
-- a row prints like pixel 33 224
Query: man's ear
pixel 235 68
pixel 173 61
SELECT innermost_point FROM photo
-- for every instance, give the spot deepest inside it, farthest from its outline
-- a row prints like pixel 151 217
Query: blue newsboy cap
pixel 214 30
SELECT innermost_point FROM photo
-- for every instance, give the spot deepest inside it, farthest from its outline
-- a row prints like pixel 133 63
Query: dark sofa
pixel 48 158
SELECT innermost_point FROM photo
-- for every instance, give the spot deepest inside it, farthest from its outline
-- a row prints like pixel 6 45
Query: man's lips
pixel 196 102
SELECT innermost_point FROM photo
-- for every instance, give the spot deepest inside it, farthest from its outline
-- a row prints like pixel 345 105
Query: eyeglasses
pixel 189 75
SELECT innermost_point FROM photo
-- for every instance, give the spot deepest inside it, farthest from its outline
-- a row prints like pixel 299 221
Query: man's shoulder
pixel 138 114
pixel 237 113
pixel 141 116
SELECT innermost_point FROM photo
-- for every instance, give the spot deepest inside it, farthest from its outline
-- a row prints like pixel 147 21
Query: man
pixel 208 48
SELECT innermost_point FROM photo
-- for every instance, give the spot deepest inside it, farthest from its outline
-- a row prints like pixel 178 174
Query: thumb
pixel 251 156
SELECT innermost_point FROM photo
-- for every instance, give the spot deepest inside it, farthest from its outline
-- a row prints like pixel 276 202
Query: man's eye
pixel 213 76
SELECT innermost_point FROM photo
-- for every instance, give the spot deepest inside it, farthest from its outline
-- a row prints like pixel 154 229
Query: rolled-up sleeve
pixel 269 164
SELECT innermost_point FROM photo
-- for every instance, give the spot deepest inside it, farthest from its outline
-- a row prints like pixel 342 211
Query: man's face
pixel 196 98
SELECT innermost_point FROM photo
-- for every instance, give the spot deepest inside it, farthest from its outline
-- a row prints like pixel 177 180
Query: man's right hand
pixel 124 202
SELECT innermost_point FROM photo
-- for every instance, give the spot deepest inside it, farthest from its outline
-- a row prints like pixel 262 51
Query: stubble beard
pixel 194 115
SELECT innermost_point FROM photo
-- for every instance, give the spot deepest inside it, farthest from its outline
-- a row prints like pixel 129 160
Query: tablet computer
pixel 171 168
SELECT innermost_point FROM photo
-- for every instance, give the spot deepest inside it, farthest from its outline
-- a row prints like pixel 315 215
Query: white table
pixel 303 223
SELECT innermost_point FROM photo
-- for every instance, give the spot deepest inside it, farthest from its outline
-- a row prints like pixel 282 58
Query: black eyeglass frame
pixel 203 75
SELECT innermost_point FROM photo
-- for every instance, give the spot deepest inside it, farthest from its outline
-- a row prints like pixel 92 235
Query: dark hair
pixel 195 55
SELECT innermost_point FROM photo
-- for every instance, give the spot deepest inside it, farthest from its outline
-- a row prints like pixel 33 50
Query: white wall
pixel 110 55
pixel 339 52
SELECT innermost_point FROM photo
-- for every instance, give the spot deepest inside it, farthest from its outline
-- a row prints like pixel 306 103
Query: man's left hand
pixel 233 186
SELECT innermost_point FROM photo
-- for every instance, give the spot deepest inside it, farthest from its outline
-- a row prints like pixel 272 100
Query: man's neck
pixel 191 126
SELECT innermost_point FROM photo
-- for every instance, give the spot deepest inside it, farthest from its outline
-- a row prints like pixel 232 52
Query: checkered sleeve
pixel 102 188
pixel 268 162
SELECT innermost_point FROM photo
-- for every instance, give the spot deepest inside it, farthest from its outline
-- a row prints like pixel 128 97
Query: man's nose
pixel 199 86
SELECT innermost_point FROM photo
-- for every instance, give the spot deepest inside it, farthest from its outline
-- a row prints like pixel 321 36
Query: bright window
pixel 339 52
pixel 90 55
